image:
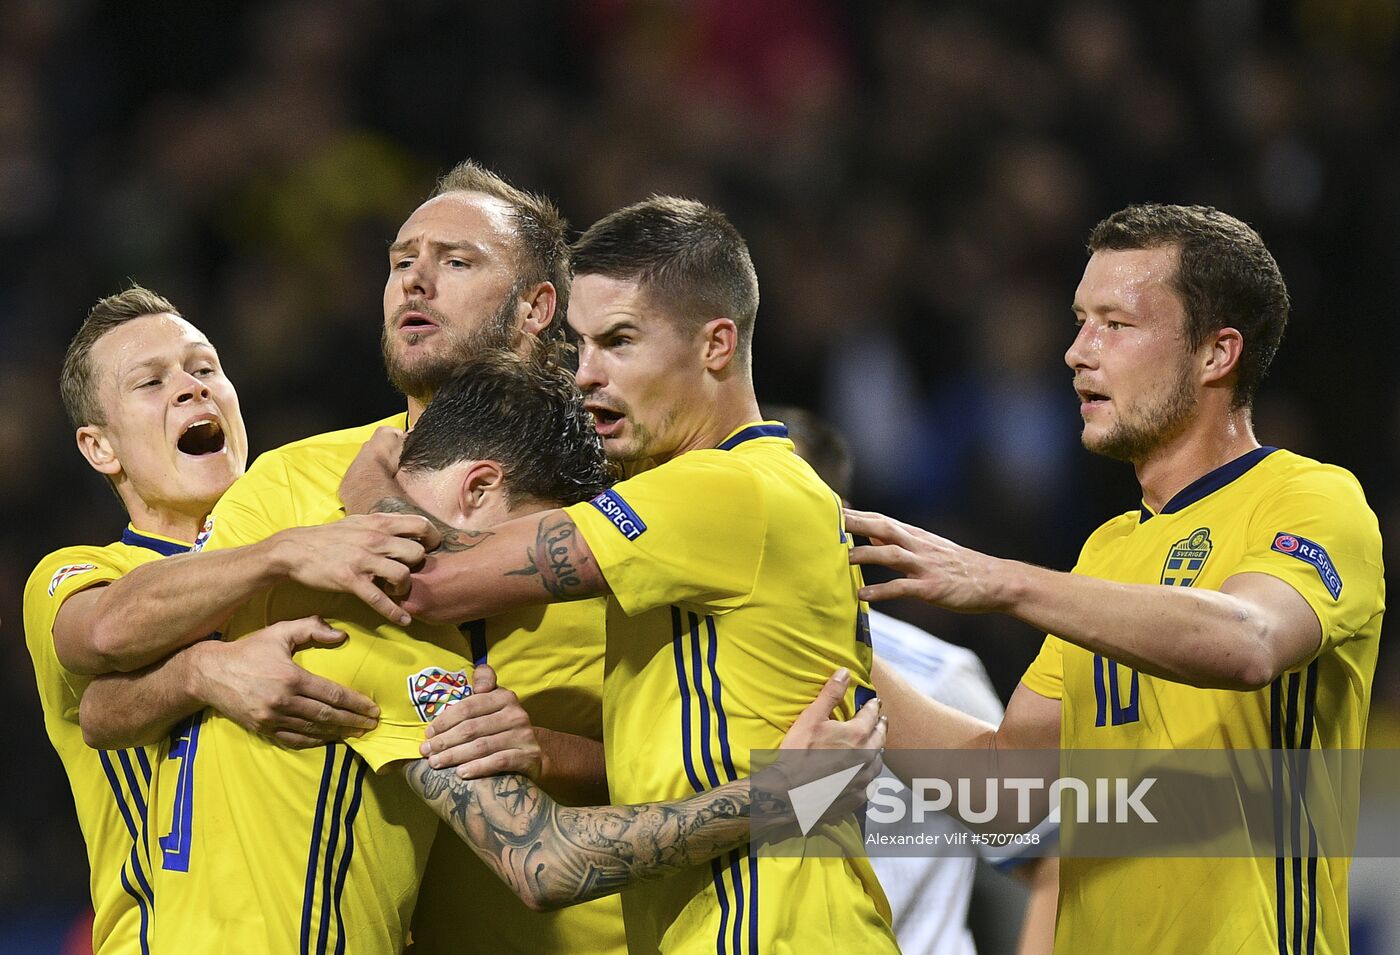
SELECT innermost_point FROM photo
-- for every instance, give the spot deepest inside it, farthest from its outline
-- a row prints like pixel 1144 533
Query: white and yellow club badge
pixel 434 689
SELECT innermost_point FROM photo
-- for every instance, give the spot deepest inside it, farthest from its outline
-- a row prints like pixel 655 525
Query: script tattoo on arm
pixel 562 562
pixel 452 539
pixel 551 855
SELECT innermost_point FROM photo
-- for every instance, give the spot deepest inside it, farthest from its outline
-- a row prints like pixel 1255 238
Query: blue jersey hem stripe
pixel 141 907
pixel 683 681
pixel 707 758
pixel 1280 875
pixel 308 898
pixel 350 815
pixel 332 843
pixel 725 753
pixel 721 894
pixel 105 758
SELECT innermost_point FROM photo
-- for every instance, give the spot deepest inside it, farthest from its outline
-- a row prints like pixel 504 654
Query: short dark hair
pixel 75 381
pixel 525 414
pixel 686 256
pixel 818 443
pixel 541 229
pixel 1224 275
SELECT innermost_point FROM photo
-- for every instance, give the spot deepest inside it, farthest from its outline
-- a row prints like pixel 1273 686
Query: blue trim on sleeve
pixel 754 431
pixel 1212 481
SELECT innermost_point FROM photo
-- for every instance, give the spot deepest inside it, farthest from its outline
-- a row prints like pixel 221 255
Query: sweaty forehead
pixel 1127 276
pixel 150 338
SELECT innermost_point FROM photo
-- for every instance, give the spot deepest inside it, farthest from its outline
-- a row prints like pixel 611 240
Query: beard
pixel 1151 425
pixel 421 378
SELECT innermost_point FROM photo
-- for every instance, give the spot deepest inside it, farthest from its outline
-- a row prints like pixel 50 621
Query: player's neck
pixel 164 522
pixel 733 406
pixel 1207 443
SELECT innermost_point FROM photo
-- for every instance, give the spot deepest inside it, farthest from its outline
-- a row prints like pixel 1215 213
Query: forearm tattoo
pixel 556 558
pixel 453 540
pixel 552 855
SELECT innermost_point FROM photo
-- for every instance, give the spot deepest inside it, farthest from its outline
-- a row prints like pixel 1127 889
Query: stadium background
pixel 915 180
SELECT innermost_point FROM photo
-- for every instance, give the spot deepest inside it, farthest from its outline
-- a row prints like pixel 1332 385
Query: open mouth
pixel 414 322
pixel 605 420
pixel 202 437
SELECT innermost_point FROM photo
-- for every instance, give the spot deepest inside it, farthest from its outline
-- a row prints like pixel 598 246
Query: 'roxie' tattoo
pixel 558 559
pixel 453 540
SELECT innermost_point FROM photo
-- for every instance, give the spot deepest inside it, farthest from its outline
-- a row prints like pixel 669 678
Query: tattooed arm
pixel 552 855
pixel 539 558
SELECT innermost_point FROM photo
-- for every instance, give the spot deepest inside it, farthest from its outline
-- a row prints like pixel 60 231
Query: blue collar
pixel 754 431
pixel 163 547
pixel 1211 482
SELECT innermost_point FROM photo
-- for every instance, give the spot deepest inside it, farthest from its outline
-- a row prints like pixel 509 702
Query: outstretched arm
pixel 539 558
pixel 252 681
pixel 167 604
pixel 552 855
pixel 1240 637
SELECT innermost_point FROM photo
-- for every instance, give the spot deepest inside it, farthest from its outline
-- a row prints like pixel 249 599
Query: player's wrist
pixel 274 558
pixel 198 662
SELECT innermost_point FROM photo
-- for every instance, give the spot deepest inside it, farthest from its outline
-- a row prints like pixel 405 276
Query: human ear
pixel 541 302
pixel 721 341
pixel 96 446
pixel 1222 354
pixel 482 480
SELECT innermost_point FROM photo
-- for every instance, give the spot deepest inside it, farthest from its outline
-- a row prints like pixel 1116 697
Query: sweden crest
pixel 1186 558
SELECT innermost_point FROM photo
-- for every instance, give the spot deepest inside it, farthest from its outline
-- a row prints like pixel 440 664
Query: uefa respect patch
pixel 434 689
pixel 66 571
pixel 1310 552
pixel 611 505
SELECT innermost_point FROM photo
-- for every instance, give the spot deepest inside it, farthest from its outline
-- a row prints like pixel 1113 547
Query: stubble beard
pixel 1152 426
pixel 420 380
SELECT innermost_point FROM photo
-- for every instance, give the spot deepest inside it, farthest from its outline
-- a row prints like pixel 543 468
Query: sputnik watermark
pixel 1098 800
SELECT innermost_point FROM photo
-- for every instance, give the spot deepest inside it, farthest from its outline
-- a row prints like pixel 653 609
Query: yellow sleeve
pixel 412 680
pixel 690 531
pixel 258 505
pixel 57 577
pixel 1046 674
pixel 1317 534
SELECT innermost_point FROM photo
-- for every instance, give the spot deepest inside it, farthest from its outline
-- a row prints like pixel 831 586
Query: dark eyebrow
pixel 625 324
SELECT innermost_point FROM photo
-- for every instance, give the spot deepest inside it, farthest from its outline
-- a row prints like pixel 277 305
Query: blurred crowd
pixel 916 180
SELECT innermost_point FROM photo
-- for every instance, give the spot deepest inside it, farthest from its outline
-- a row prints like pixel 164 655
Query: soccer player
pixel 1238 607
pixel 730 595
pixel 479 265
pixel 267 849
pixel 929 895
pixel 155 414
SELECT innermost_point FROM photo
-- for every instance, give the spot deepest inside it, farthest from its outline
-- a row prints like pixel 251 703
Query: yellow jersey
pixel 1272 512
pixel 732 602
pixel 558 678
pixel 263 849
pixel 110 787
pixel 554 652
